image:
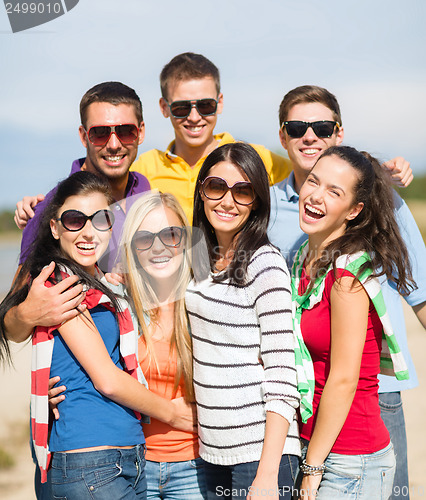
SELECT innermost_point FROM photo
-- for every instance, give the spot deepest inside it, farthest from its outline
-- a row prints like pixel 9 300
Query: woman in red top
pixel 346 207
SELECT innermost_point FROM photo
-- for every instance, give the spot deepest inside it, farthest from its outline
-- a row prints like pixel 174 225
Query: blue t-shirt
pixel 284 232
pixel 86 417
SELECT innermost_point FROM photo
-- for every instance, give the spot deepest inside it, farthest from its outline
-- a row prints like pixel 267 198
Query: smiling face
pixel 195 132
pixel 225 215
pixel 305 151
pixel 87 245
pixel 113 159
pixel 326 201
pixel 161 263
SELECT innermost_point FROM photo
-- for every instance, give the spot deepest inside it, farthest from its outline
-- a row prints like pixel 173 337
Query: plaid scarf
pixel 391 359
pixel 42 348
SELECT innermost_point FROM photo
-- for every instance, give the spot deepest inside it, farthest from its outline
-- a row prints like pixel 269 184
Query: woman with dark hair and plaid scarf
pixel 96 448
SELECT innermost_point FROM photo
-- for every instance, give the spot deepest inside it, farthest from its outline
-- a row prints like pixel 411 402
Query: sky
pixel 370 54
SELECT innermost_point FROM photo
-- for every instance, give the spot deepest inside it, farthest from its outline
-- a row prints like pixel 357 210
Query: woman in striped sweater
pixel 239 306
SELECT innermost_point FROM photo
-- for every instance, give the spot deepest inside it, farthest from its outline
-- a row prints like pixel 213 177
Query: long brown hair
pixel 375 229
pixel 45 249
pixel 254 234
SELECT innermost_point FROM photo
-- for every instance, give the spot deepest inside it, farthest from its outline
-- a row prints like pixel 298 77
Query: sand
pixel 16 483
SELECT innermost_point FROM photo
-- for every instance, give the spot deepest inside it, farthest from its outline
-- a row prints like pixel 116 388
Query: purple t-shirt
pixel 136 185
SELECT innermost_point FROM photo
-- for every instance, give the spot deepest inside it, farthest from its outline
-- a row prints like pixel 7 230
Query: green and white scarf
pixel 391 359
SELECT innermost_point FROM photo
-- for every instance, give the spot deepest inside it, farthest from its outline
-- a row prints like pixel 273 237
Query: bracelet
pixel 312 470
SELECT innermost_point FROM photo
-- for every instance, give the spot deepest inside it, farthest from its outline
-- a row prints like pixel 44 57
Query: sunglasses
pixel 182 109
pixel 322 129
pixel 215 188
pixel 99 135
pixel 74 220
pixel 169 237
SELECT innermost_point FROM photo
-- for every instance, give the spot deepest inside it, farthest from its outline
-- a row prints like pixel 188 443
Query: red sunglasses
pixel 99 135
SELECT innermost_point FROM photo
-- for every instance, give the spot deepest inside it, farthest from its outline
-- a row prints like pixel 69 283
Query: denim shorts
pixel 101 475
pixel 176 480
pixel 360 477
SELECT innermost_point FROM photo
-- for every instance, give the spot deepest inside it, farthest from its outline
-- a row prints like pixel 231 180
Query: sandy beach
pixel 16 482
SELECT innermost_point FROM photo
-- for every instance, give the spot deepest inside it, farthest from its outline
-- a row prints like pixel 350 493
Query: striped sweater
pixel 243 359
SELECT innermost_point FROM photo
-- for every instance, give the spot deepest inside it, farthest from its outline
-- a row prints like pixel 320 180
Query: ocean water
pixel 9 254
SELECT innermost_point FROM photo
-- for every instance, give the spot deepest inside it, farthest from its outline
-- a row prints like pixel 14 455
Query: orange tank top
pixel 163 442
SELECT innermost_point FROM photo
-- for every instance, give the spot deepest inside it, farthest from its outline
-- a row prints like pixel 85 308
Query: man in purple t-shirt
pixel 111 129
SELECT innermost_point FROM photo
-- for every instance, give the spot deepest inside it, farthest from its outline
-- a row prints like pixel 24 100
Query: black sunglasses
pixel 99 135
pixel 322 129
pixel 169 237
pixel 74 220
pixel 182 109
pixel 215 188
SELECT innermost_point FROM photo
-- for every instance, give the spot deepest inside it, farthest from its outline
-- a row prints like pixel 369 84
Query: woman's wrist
pixel 265 472
pixel 312 470
pixel 170 413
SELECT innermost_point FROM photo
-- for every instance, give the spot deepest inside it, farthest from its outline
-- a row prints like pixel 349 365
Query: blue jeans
pixel 176 480
pixel 357 477
pixel 111 474
pixel 392 415
pixel 234 481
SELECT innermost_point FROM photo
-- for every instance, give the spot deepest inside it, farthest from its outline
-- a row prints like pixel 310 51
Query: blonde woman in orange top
pixel 157 271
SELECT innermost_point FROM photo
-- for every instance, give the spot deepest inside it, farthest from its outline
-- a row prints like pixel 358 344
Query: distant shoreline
pixel 10 237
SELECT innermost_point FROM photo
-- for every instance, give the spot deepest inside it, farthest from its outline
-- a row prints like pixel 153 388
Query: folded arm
pixel 349 318
pixel 85 342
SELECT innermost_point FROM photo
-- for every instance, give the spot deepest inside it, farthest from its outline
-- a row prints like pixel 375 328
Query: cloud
pixel 387 117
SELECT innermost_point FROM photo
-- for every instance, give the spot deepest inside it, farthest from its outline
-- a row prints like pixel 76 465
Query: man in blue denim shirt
pixel 310 122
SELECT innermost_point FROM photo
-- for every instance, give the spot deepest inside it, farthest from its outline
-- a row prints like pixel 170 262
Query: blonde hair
pixel 142 294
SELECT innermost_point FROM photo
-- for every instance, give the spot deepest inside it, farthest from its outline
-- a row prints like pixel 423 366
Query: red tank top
pixel 363 431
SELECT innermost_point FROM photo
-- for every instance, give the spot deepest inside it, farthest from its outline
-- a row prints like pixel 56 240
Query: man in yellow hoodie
pixel 191 98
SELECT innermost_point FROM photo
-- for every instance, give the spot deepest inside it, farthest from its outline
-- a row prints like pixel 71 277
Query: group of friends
pixel 248 337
